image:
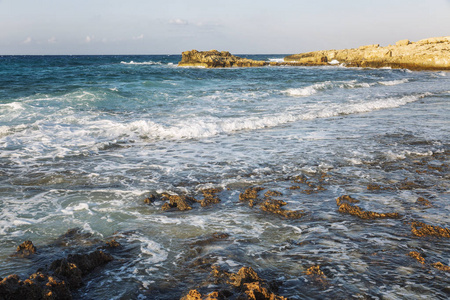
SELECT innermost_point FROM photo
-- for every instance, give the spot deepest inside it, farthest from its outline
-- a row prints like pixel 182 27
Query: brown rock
pixel 210 196
pixel 405 54
pixel 180 202
pixel 250 194
pixel 421 229
pixel 216 59
pixel 274 206
pixel 69 271
pixel 416 255
pixel 346 199
pixel 37 286
pixel 441 266
pixel 424 202
pixel 25 249
pixel 362 214
pixel 193 295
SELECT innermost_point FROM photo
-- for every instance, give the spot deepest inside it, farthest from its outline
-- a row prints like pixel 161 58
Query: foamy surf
pixel 141 63
pixel 85 149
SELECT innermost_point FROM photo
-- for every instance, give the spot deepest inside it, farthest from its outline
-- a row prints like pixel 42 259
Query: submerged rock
pixel 427 54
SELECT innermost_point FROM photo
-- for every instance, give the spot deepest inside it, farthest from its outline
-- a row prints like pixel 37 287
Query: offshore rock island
pixel 426 54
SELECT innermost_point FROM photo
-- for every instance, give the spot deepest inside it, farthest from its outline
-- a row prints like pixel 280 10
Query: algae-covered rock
pixel 216 59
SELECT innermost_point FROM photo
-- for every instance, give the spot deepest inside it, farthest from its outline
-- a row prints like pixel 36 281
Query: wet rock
pixel 193 295
pixel 37 286
pixel 345 207
pixel 441 266
pixel 295 187
pixel 269 194
pixel 250 195
pixel 196 295
pixel 247 284
pixel 112 244
pixel 76 237
pixel 25 249
pixel 408 185
pixel 424 202
pixel 151 199
pixel 181 202
pixel 316 274
pixel 274 206
pixel 68 271
pixel 210 196
pixel 300 179
pixel 421 229
pixel 362 214
pixel 417 256
pixel 315 271
pixel 244 275
pixel 88 262
pixel 75 266
pixel 346 199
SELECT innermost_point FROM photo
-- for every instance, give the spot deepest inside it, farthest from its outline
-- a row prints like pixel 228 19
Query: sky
pixel 53 27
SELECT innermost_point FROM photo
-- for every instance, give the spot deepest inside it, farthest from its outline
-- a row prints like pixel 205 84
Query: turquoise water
pixel 85 139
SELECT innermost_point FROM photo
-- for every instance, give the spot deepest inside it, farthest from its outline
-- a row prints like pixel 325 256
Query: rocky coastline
pixel 426 54
pixel 59 275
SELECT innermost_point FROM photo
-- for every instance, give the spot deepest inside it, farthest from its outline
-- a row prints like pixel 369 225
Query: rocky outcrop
pixel 427 54
pixel 25 249
pixel 216 59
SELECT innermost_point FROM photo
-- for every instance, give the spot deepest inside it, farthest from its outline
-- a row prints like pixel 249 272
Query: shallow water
pixel 85 139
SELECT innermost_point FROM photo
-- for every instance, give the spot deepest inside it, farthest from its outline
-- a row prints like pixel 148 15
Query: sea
pixel 84 140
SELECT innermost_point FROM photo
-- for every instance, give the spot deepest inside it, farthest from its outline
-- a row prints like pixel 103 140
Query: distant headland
pixel 426 54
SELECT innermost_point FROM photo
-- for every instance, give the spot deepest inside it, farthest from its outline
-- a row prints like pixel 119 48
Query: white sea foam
pixel 309 90
pixel 334 62
pixel 276 59
pixel 141 63
pixel 315 88
pixel 394 82
pixel 12 106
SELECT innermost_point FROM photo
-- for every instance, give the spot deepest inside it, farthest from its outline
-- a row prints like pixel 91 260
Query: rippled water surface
pixel 85 139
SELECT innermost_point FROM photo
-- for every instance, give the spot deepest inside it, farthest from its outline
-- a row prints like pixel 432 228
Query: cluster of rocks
pixel 216 59
pixel 268 204
pixel 185 202
pixel 59 280
pixel 437 265
pixel 426 54
pixel 346 205
pixel 245 284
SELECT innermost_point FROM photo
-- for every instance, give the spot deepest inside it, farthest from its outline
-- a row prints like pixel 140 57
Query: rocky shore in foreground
pixel 426 54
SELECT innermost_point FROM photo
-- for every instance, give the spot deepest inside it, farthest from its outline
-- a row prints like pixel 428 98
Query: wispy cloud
pixel 139 37
pixel 52 40
pixel 88 39
pixel 178 22
pixel 28 40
